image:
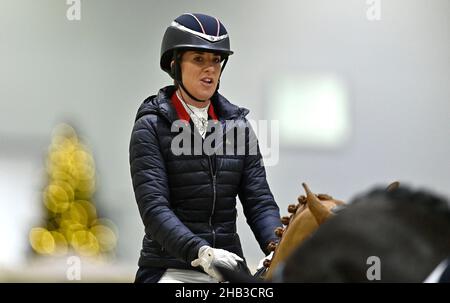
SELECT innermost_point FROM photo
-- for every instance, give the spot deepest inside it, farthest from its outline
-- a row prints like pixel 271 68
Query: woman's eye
pixel 216 60
pixel 198 59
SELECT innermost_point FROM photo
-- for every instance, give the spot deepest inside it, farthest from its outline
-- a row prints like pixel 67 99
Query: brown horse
pixel 310 212
pixel 394 235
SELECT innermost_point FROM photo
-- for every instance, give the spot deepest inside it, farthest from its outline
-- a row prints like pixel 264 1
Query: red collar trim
pixel 183 114
pixel 181 111
pixel 211 112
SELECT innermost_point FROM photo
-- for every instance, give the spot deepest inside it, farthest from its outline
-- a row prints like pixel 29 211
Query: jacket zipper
pixel 213 175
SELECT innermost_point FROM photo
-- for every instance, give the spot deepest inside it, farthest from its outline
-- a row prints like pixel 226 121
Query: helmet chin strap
pixel 180 83
pixel 179 80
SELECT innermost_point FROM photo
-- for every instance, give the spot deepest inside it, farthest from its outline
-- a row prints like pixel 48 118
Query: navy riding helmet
pixel 193 32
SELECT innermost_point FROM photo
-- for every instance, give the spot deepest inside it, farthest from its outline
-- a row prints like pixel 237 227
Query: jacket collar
pixel 183 114
pixel 161 104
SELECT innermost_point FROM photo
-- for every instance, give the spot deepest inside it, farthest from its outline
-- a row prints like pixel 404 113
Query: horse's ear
pixel 319 211
pixel 393 186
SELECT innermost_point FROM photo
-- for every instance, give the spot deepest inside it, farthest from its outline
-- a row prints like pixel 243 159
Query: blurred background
pixel 360 90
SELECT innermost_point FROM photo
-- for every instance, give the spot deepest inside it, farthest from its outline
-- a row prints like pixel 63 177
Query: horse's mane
pixel 409 231
pixel 423 200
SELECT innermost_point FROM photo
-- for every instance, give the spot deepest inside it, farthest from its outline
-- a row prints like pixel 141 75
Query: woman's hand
pixel 208 257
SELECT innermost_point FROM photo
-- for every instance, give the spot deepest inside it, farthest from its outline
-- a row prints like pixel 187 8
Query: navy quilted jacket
pixel 188 201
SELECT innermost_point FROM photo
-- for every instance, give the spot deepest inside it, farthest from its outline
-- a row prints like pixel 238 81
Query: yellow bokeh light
pixel 106 222
pixel 76 213
pixel 67 188
pixel 106 237
pixel 63 131
pixel 42 241
pixel 83 156
pixel 72 216
pixel 60 244
pixel 69 227
pixel 85 243
pixel 86 187
pixel 90 210
pixel 58 174
pixel 85 171
pixel 56 198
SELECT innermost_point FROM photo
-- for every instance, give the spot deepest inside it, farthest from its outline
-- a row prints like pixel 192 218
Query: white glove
pixel 261 263
pixel 208 256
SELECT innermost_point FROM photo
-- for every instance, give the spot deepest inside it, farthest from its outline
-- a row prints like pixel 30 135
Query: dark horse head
pixel 400 235
pixel 406 232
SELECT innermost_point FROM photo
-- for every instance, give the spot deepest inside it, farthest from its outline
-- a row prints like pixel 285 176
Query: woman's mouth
pixel 207 81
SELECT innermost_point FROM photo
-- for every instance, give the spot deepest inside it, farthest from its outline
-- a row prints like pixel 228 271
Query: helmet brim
pixel 176 39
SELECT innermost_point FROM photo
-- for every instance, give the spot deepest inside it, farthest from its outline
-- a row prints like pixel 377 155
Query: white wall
pixel 94 73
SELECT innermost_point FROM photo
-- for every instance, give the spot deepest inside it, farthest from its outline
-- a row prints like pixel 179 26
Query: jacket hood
pixel 161 105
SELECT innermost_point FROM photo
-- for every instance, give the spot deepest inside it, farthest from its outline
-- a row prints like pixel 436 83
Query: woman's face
pixel 200 73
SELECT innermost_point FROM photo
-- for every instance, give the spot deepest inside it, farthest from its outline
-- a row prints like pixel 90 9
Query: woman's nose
pixel 211 65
